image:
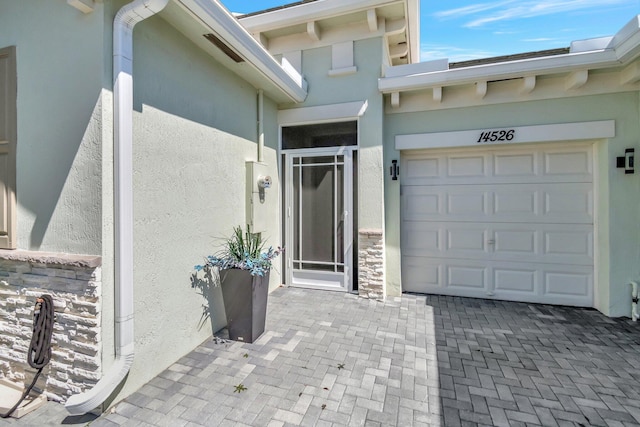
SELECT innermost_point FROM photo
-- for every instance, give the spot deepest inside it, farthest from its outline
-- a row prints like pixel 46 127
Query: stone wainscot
pixel 74 282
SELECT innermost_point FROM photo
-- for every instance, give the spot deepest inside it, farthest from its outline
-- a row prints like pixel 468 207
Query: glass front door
pixel 319 225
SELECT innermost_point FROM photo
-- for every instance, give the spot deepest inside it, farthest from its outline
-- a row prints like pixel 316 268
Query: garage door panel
pixel 577 243
pixel 421 203
pixel 467 166
pixel 466 277
pixel 440 239
pixel 420 239
pixel 517 242
pixel 422 168
pixel 515 165
pixel 538 283
pixel 567 284
pixel 577 163
pixel 543 243
pixel 516 201
pixel 506 223
pixel 465 203
pixel 524 203
pixel 569 203
pixel 466 240
pixel 515 280
pixel 536 243
pixel 500 165
pixel 420 273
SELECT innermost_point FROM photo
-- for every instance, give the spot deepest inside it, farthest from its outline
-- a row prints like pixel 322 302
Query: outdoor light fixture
pixel 394 170
pixel 626 162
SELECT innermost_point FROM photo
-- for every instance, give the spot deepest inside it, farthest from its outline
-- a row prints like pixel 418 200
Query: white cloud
pixel 470 10
pixel 540 39
pixel 486 13
pixel 429 52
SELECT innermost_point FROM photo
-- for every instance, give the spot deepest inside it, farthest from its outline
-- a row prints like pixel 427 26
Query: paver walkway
pixel 336 359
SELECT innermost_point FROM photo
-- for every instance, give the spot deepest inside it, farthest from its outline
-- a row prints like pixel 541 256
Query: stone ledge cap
pixel 371 231
pixel 58 258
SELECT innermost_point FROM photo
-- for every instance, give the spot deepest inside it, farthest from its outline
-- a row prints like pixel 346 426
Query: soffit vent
pixel 223 47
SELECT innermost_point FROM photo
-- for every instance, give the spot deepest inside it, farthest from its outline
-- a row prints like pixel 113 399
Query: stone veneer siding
pixel 371 264
pixel 74 282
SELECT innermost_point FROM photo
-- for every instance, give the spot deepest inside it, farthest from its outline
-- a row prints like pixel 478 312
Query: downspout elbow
pixel 126 18
pixel 79 404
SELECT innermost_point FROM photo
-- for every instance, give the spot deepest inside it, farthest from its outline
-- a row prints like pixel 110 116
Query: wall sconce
pixel 394 170
pixel 626 162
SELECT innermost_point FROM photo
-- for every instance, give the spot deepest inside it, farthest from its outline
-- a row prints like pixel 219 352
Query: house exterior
pixel 132 135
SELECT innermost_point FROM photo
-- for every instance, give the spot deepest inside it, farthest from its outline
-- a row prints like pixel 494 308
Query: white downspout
pixel 260 126
pixel 634 301
pixel 123 24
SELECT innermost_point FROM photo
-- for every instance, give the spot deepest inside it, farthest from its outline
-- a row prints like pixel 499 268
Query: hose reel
pixel 39 353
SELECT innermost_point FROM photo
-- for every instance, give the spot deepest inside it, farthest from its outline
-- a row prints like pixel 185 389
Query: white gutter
pixel 260 126
pixel 123 24
pixel 624 48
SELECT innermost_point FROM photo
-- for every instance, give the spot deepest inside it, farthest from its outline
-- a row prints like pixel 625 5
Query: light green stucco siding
pixel 617 252
pixel 60 71
pixel 194 129
pixel 360 86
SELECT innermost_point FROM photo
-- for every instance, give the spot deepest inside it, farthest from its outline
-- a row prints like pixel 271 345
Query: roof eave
pixel 624 48
pixel 297 14
pixel 220 21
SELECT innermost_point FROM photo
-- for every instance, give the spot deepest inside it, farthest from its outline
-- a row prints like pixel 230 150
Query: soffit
pixel 293 21
pixel 258 68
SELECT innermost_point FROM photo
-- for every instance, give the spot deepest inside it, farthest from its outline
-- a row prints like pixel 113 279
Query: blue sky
pixel 464 29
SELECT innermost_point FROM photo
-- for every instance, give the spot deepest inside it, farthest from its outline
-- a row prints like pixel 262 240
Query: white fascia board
pixel 502 70
pixel 413 37
pixel 302 13
pixel 623 48
pixel 627 41
pixel 221 22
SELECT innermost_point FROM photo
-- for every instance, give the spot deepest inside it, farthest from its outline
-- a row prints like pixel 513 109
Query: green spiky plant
pixel 243 250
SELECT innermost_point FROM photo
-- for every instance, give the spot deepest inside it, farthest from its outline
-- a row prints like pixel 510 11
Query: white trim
pixel 322 113
pixel 317 279
pixel 302 13
pixel 624 47
pixel 521 134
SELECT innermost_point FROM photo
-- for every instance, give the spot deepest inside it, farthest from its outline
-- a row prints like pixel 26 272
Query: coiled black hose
pixel 40 347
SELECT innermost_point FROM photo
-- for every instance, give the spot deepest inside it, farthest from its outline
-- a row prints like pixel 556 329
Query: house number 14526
pixel 496 135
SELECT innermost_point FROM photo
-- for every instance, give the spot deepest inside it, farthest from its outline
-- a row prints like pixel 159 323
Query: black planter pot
pixel 245 303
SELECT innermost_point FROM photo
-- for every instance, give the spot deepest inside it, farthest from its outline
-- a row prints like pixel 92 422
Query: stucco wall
pixel 617 207
pixel 194 129
pixel 59 64
pixel 360 86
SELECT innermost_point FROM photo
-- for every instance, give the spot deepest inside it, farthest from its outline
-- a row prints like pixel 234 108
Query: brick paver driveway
pixel 335 359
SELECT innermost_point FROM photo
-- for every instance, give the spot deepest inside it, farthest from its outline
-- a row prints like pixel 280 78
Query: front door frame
pixel 338 281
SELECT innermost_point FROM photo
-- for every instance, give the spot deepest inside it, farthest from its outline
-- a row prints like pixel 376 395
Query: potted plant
pixel 244 267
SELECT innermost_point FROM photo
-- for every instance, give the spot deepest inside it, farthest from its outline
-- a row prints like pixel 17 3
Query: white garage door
pixel 512 223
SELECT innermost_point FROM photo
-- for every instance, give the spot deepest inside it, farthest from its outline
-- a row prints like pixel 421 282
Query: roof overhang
pixel 294 18
pixel 244 55
pixel 616 51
